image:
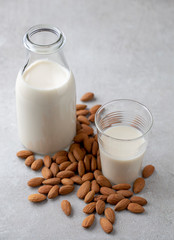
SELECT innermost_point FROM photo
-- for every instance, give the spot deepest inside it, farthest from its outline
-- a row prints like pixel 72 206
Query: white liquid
pixel 122 160
pixel 45 98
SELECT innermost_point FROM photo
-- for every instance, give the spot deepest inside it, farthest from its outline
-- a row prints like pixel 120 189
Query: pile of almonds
pixel 81 165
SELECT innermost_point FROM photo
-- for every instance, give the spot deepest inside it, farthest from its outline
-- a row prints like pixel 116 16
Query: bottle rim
pixel 44 48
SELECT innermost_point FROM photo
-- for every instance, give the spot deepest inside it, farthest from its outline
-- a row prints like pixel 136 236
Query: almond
pixel 51 181
pixel 80 106
pixel 122 204
pixel 77 179
pixel 87 97
pixel 36 197
pixel 110 215
pixel 138 185
pixel 37 164
pixel 82 112
pixel 47 161
pixel 96 138
pixel 94 108
pixel 66 189
pixel 83 190
pixel 81 168
pixel 54 192
pixel 54 168
pixel 99 162
pixel 90 208
pixel 121 186
pixel 60 153
pixel 87 144
pixel 100 206
pixel 46 173
pixel 97 173
pixel 106 225
pixel 64 165
pixel 89 196
pixel 91 118
pixel 87 129
pixel 148 171
pixel 71 157
pixel 24 153
pixel 88 221
pixel 67 181
pixel 35 182
pixel 87 162
pixel 66 207
pixel 72 167
pixel 100 197
pixel 78 126
pixel 88 176
pixel 107 191
pixel 61 159
pixel 65 174
pixel 125 193
pixel 73 146
pixel 83 119
pixel 95 186
pixel 103 181
pixel 45 189
pixel 80 138
pixel 29 160
pixel 139 200
pixel 78 154
pixel 93 164
pixel 94 148
pixel 135 208
pixel 114 198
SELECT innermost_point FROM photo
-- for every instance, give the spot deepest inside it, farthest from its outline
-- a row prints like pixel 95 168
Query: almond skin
pixel 148 171
pixel 88 176
pixel 122 204
pixel 35 182
pixel 138 185
pixel 87 129
pixel 78 154
pixel 135 208
pixel 83 119
pixel 110 215
pixel 93 164
pixel 64 165
pixel 107 191
pixel 87 144
pixel 97 173
pixel 100 197
pixel 95 186
pixel 88 221
pixel 29 160
pixel 66 207
pixel 46 173
pixel 83 112
pixel 100 206
pixel 99 163
pixel 45 189
pixel 91 118
pixel 47 161
pixel 66 189
pixel 94 109
pixel 71 157
pixel 54 168
pixel 51 181
pixel 37 164
pixel 67 181
pixel 87 162
pixel 87 97
pixel 81 168
pixel 141 201
pixel 83 190
pixel 89 196
pixel 24 153
pixel 89 208
pixel 65 174
pixel 80 138
pixel 37 197
pixel 94 148
pixel 106 225
pixel 72 167
pixel 103 181
pixel 125 193
pixel 60 153
pixel 77 179
pixel 54 192
pixel 121 186
pixel 114 198
pixel 61 159
pixel 80 106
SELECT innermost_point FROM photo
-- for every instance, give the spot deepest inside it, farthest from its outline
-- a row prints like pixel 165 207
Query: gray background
pixel 118 49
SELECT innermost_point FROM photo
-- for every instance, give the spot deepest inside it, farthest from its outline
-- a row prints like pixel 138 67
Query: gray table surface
pixel 118 49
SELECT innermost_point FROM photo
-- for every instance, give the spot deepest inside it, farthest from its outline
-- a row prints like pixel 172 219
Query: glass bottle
pixel 45 93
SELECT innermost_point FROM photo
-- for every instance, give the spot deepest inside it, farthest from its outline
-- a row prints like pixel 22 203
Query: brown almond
pixel 61 159
pixel 89 208
pixel 100 206
pixel 125 193
pixel 107 191
pixel 47 161
pixel 148 171
pixel 89 196
pixel 87 162
pixel 88 221
pixel 24 153
pixel 80 138
pixel 77 179
pixel 87 96
pixel 94 109
pixel 71 157
pixel 93 164
pixel 54 168
pixel 54 192
pixel 81 168
pixel 110 215
pixel 66 207
pixel 99 163
pixel 80 106
pixel 100 197
pixel 46 173
pixel 103 181
pixel 29 160
pixel 72 167
pixel 94 148
pixel 67 181
pixel 51 181
pixel 96 138
pixel 64 165
pixel 135 208
pixel 121 186
pixel 36 197
pixel 91 118
pixel 73 146
pixel 84 189
pixel 66 189
pixel 83 119
pixel 138 185
pixel 78 154
pixel 78 126
pixel 87 144
pixel 37 164
pixel 45 189
pixel 140 200
pixel 87 129
pixel 122 204
pixel 97 173
pixel 114 198
pixel 65 174
pixel 60 153
pixel 88 176
pixel 83 112
pixel 106 225
pixel 95 186
pixel 35 182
